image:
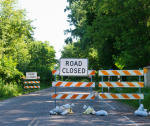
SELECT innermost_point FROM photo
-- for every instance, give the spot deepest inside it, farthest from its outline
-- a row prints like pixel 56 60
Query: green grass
pixel 134 103
pixel 13 90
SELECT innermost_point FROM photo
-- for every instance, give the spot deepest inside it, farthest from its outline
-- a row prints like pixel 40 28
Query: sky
pixel 50 22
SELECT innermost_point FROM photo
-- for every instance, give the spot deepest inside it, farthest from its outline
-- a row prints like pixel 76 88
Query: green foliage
pixel 8 70
pixel 145 101
pixel 19 52
pixel 42 60
pixel 117 30
pixel 10 90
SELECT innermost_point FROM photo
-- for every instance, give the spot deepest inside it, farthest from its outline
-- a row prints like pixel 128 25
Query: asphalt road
pixel 33 110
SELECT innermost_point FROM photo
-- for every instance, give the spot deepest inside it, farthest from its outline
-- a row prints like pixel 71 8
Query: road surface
pixel 33 110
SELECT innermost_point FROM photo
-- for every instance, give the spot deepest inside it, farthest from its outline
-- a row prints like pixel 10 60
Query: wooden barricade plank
pixel 121 96
pixel 121 72
pixel 31 82
pixel 31 86
pixel 121 84
pixel 73 84
pixel 74 96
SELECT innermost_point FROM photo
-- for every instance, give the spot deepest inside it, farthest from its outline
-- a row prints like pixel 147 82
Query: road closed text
pixel 73 67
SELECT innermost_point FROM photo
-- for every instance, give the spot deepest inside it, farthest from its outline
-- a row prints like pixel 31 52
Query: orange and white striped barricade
pixel 121 96
pixel 73 84
pixel 74 96
pixel 121 72
pixel 121 84
pixel 90 72
pixel 31 84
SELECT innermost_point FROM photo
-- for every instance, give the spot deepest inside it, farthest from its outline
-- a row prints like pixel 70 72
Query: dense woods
pixel 19 52
pixel 112 34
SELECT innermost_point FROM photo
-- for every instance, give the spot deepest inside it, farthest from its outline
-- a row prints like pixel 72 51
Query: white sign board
pixel 31 75
pixel 73 67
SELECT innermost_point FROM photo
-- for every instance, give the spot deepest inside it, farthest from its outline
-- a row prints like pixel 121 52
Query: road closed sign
pixel 73 67
pixel 31 75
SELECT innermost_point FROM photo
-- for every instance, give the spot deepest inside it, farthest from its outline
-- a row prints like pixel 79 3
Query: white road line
pixel 32 122
pixel 131 120
pixel 110 106
pixel 36 123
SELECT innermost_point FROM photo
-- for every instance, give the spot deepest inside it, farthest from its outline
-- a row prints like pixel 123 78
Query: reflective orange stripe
pixel 114 96
pixel 104 72
pixel 78 84
pixel 84 96
pixel 108 84
pixel 92 73
pixel 64 96
pixel 136 96
pixel 130 84
pixel 93 97
pixel 103 96
pixel 89 84
pixel 59 83
pixel 119 84
pixel 54 95
pixel 125 96
pixel 74 96
pixel 126 72
pixel 53 71
pixel 115 72
pixel 100 85
pixel 141 84
pixel 137 72
pixel 68 84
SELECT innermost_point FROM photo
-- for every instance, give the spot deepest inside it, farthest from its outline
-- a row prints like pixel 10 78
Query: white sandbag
pixel 141 108
pixel 102 113
pixel 140 113
pixel 58 110
pixel 93 112
pixel 84 107
pixel 64 112
pixel 67 106
pixel 72 105
pixel 52 113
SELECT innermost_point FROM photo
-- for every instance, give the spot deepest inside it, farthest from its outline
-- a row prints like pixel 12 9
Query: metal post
pixel 38 88
pixel 102 91
pixel 55 89
pixel 108 81
pixel 139 90
pixel 91 91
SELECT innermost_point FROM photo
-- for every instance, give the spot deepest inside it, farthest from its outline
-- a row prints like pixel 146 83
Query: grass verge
pixel 13 90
